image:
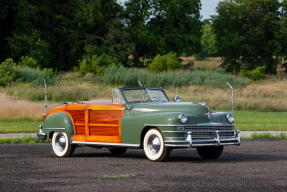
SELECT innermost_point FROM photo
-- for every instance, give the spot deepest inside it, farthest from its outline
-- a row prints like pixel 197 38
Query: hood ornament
pixel 208 115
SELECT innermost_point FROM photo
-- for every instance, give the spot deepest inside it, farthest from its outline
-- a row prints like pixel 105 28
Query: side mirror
pixel 177 99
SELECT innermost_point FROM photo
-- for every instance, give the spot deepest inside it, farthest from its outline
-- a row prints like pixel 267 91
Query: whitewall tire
pixel 154 146
pixel 61 145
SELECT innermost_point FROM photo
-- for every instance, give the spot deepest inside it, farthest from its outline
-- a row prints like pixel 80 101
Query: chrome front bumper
pixel 41 135
pixel 202 142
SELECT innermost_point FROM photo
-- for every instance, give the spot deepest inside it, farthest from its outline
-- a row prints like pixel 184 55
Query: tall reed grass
pixel 130 76
pixel 36 76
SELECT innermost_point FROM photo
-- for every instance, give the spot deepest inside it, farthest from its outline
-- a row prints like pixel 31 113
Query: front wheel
pixel 154 147
pixel 210 152
pixel 61 145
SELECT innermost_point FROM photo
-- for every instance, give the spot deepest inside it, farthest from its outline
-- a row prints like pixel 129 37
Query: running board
pixel 107 144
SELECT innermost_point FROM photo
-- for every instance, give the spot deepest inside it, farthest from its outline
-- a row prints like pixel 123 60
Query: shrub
pixel 36 76
pixel 28 62
pixel 8 72
pixel 95 64
pixel 165 63
pixel 255 75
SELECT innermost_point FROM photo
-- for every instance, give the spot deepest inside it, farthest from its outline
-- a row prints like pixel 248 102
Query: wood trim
pixel 107 139
pixel 87 128
pixel 103 109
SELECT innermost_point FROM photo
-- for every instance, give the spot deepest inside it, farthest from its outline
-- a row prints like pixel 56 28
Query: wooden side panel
pixel 80 130
pixel 105 123
pixel 104 131
pixel 94 123
pixel 97 123
pixel 78 116
pixel 110 117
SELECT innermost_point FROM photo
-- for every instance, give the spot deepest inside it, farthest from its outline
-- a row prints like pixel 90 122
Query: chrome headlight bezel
pixel 230 118
pixel 182 118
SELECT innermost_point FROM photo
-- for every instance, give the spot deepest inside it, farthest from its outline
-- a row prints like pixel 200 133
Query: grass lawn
pixel 23 139
pixel 260 121
pixel 20 126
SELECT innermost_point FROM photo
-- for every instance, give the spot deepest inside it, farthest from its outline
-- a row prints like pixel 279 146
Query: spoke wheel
pixel 118 151
pixel 154 147
pixel 210 152
pixel 61 145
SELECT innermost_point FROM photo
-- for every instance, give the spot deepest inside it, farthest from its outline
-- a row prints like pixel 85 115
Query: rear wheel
pixel 154 147
pixel 210 152
pixel 61 145
pixel 118 151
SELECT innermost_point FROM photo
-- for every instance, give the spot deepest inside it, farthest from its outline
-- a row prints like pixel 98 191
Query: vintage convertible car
pixel 139 117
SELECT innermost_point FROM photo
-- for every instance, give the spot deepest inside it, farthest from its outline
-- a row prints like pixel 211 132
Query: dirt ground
pixel 256 165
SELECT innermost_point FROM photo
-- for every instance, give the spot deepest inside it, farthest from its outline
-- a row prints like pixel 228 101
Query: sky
pixel 208 8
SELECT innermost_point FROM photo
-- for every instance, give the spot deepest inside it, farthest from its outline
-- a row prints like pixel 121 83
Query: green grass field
pixel 260 121
pixel 20 126
pixel 23 139
pixel 244 120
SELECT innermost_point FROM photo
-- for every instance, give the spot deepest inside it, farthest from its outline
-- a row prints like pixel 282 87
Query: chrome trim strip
pixel 54 128
pixel 174 131
pixel 171 145
pixel 171 138
pixel 193 125
pixel 107 144
pixel 198 131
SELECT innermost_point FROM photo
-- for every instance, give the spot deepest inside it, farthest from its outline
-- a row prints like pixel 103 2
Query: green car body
pixel 146 119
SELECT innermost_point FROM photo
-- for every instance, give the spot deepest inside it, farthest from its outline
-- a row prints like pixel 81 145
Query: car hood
pixel 182 107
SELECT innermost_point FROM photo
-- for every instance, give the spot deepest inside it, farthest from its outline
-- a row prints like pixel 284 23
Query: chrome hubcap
pixel 153 144
pixel 60 142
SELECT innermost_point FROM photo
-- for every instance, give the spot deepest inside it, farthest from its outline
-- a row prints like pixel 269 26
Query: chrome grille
pixel 209 131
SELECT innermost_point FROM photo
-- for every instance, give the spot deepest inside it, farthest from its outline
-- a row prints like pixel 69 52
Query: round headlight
pixel 230 118
pixel 183 118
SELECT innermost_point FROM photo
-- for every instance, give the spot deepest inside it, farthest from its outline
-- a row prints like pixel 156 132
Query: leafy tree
pixel 208 41
pixel 162 26
pixel 176 24
pixel 245 32
pixel 280 35
pixel 7 13
pixel 55 32
pixel 134 17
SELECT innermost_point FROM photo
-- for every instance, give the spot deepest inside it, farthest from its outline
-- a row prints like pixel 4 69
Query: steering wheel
pixel 152 98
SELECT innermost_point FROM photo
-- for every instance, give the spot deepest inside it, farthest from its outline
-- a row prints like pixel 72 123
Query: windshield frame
pixel 147 89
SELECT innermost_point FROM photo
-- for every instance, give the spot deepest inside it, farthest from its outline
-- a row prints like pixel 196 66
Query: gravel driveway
pixel 256 165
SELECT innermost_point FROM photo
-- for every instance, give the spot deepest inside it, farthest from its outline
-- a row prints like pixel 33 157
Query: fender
pixel 133 125
pixel 58 122
pixel 223 116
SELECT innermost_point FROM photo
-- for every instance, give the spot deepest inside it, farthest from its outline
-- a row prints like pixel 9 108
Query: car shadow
pixel 185 156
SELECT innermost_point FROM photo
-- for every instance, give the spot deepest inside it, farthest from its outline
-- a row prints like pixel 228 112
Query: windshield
pixel 145 95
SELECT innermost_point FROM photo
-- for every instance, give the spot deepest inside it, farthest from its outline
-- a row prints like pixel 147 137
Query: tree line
pixel 251 34
pixel 59 34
